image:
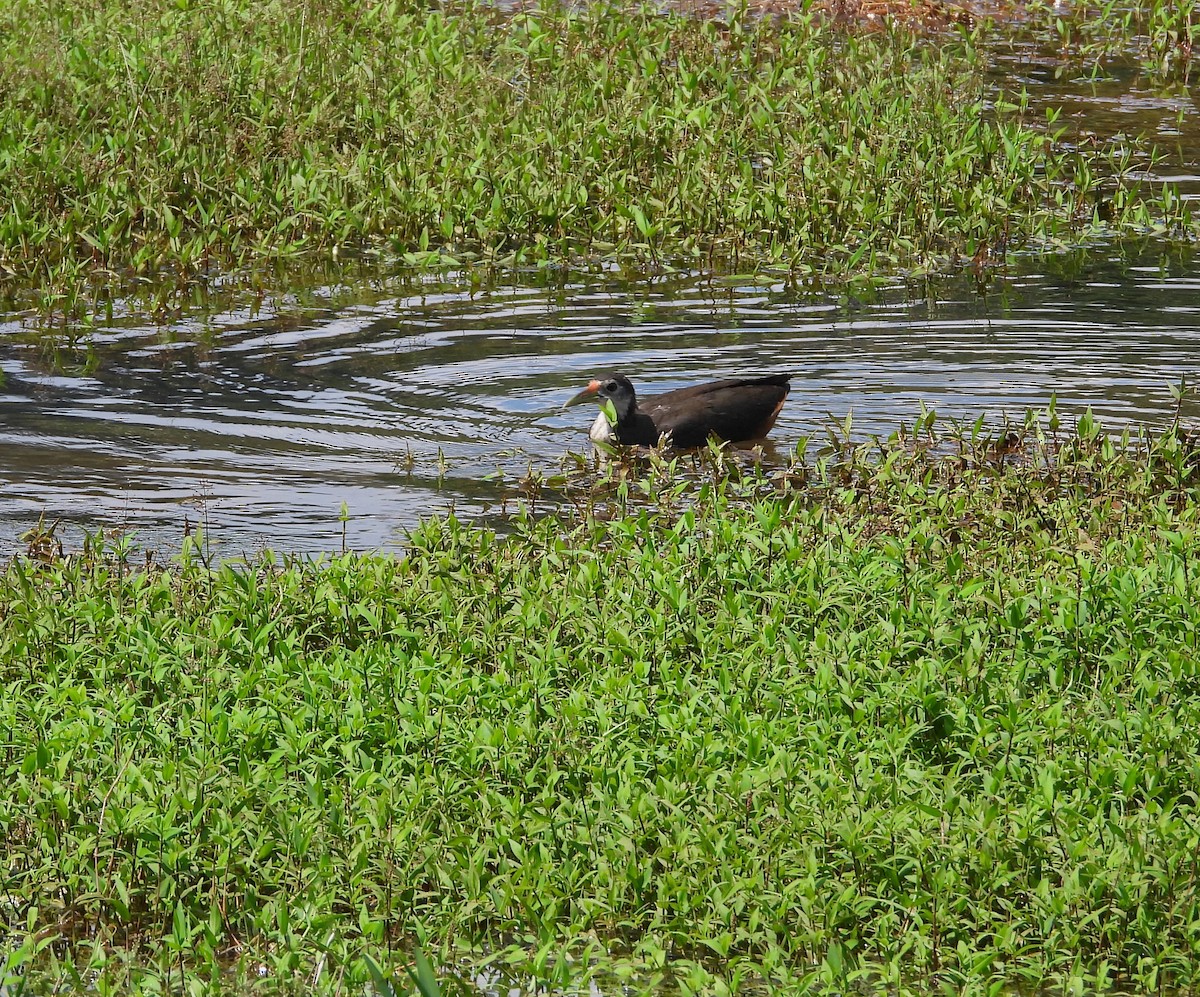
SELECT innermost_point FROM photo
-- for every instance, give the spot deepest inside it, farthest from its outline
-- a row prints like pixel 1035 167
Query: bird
pixel 735 410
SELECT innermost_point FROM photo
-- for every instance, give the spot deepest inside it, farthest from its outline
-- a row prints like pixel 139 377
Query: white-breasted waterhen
pixel 736 410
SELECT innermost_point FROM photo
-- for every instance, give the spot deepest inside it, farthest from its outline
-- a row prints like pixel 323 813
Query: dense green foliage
pixel 182 136
pixel 893 716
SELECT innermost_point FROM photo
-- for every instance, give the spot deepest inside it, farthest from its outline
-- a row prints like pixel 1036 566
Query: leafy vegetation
pixel 1162 34
pixel 923 713
pixel 180 140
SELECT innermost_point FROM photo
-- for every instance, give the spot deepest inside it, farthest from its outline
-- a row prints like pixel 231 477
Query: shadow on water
pixel 401 397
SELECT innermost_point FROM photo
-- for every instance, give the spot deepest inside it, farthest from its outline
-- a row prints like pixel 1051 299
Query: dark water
pixel 262 422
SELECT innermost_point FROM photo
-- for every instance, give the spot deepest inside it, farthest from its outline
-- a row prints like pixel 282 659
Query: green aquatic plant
pixel 1161 34
pixel 161 144
pixel 923 709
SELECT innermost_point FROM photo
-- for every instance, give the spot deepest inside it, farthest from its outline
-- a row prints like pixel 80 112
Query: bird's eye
pixel 610 385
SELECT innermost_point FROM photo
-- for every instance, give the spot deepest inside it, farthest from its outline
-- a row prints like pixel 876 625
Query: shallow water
pixel 261 422
pixel 390 397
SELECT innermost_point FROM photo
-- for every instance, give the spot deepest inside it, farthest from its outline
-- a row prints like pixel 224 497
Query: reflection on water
pixel 1112 105
pixel 262 423
pixel 1121 101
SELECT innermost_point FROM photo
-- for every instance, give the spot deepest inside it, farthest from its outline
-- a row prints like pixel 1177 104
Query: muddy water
pixel 402 400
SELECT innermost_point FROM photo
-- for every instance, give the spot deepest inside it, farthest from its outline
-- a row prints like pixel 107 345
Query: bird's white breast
pixel 601 431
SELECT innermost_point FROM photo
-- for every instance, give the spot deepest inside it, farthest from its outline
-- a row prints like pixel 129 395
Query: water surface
pixel 345 407
pixel 400 399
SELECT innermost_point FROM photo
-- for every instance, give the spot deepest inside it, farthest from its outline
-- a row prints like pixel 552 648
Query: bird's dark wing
pixel 736 410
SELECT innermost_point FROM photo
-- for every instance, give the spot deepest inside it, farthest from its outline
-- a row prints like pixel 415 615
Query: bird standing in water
pixel 736 410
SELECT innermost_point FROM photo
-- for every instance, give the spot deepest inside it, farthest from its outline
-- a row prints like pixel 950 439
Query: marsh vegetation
pixel 918 714
pixel 172 142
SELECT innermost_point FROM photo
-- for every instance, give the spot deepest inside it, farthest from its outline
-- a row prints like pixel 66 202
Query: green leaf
pixel 424 977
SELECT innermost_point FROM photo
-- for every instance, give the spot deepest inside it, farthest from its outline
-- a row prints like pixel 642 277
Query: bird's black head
pixel 615 388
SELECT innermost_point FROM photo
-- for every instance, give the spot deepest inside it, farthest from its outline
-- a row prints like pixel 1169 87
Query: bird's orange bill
pixel 588 394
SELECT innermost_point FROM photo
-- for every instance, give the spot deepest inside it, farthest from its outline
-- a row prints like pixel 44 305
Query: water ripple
pixel 262 425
